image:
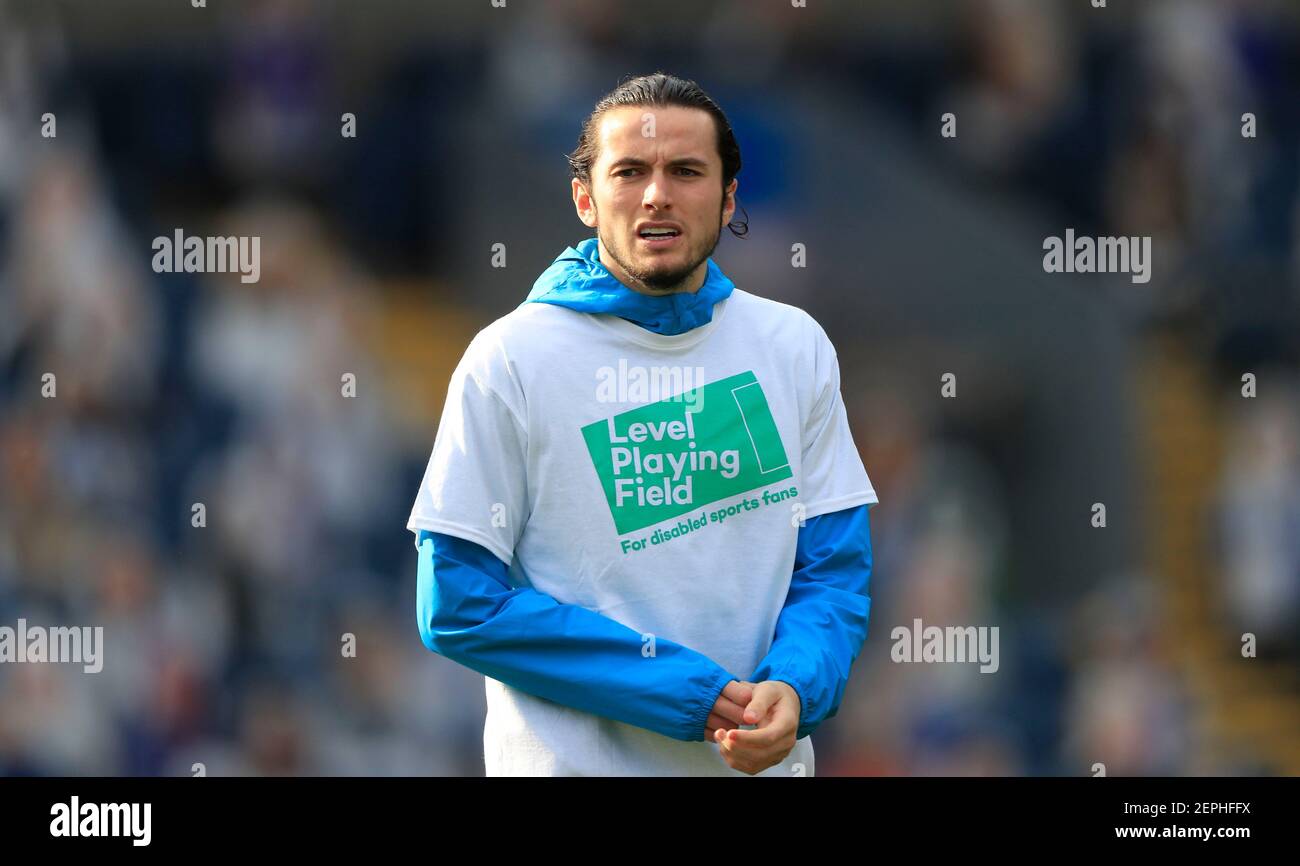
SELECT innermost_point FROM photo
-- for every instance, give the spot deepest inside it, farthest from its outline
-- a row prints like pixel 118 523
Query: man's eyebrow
pixel 637 161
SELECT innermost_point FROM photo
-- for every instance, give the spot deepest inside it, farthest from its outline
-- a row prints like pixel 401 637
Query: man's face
pixel 664 173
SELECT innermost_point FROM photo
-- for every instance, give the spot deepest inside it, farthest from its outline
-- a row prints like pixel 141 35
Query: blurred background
pixel 1120 645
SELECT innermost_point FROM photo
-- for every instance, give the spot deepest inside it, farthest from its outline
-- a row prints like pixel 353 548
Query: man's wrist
pixel 722 677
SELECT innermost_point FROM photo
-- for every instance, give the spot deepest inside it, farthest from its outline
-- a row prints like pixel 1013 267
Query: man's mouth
pixel 656 237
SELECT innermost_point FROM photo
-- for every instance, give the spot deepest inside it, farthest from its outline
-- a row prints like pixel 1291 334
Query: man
pixel 643 486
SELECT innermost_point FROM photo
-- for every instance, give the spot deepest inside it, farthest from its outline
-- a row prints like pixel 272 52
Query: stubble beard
pixel 659 280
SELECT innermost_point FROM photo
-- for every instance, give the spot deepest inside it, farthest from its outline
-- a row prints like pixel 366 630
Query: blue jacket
pixel 469 612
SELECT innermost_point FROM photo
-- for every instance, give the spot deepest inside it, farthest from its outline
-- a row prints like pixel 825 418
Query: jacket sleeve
pixel 823 624
pixel 469 613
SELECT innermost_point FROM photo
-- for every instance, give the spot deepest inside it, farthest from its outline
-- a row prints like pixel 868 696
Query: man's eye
pixel 689 170
pixel 620 172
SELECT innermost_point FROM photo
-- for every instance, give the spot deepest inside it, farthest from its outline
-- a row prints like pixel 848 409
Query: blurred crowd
pixel 199 484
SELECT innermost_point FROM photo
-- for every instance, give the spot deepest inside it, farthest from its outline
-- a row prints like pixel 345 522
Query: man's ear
pixel 729 201
pixel 583 204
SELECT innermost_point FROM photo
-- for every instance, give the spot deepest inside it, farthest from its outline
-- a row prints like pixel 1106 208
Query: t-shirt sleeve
pixel 475 485
pixel 833 475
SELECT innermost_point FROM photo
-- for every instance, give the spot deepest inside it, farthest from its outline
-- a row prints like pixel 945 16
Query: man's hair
pixel 662 90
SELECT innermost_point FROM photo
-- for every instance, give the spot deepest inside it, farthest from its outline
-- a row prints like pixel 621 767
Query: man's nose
pixel 656 193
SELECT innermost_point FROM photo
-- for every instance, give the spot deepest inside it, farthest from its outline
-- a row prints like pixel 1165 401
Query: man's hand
pixel 728 710
pixel 774 707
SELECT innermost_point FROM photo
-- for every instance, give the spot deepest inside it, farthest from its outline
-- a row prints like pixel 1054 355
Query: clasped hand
pixel 772 705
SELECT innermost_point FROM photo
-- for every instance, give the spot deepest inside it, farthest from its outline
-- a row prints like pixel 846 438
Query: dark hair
pixel 661 89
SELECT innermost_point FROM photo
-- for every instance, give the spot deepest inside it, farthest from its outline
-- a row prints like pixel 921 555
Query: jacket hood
pixel 577 280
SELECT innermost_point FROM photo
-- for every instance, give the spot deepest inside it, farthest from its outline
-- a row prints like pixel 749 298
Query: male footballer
pixel 644 519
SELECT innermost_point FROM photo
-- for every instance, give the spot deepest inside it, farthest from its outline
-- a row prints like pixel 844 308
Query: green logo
pixel 662 460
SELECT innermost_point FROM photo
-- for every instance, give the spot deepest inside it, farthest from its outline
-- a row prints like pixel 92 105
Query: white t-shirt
pixel 658 480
